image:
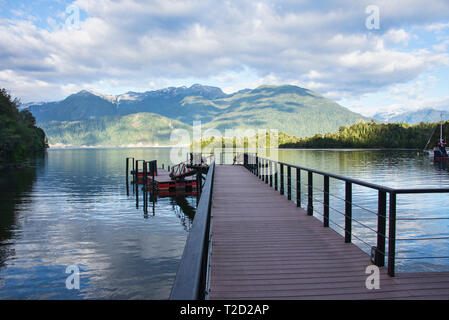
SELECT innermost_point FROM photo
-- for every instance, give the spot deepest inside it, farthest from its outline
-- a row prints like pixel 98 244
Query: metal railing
pixel 200 158
pixel 273 173
pixel 190 279
pixel 179 170
pixel 219 156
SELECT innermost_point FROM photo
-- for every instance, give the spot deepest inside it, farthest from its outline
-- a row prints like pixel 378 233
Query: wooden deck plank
pixel 264 247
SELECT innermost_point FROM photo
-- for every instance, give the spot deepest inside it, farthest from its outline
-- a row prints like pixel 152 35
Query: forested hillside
pixel 140 129
pixel 19 136
pixel 373 135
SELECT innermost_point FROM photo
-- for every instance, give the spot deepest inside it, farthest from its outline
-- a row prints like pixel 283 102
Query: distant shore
pixel 132 146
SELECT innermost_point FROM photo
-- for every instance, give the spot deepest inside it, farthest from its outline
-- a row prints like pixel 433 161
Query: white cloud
pixel 397 36
pixel 437 27
pixel 399 98
pixel 144 44
pixel 441 47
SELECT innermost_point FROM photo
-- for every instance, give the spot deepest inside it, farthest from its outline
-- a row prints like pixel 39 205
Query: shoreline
pixel 188 147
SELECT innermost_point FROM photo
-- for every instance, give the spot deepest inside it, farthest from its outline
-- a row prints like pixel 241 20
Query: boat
pixel 440 152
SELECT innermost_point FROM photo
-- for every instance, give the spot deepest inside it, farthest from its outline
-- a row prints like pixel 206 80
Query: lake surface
pixel 72 209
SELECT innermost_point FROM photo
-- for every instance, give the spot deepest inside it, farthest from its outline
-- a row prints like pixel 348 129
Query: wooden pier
pixel 251 239
pixel 265 247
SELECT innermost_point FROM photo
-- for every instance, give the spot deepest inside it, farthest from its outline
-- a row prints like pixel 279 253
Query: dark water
pixel 71 208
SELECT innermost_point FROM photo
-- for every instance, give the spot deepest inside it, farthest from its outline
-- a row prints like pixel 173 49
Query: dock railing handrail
pixel 190 279
pixel 263 168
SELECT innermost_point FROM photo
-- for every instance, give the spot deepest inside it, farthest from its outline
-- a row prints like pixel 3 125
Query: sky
pixel 369 56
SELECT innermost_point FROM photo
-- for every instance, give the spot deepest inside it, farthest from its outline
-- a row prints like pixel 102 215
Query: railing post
pixel 267 176
pixel 310 194
pixel 276 177
pixel 251 163
pixel 282 179
pixel 257 166
pixel 271 173
pixel 392 234
pixel 348 211
pixel 298 187
pixel 289 183
pixel 381 228
pixel 264 172
pixel 326 202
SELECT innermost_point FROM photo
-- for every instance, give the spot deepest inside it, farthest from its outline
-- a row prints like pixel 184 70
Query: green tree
pixel 370 135
pixel 19 136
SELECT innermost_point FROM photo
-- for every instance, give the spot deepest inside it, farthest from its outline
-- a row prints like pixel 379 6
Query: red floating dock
pixel 165 183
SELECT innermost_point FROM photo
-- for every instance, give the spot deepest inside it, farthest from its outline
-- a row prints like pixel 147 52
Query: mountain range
pixel 413 117
pixel 91 119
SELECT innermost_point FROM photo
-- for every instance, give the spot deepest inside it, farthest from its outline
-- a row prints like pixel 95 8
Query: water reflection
pixel 183 204
pixel 184 210
pixel 73 210
pixel 16 185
